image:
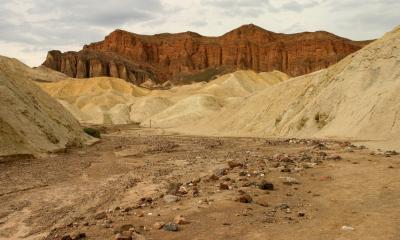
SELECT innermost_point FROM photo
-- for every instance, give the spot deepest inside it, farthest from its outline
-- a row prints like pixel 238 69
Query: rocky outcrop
pixel 171 56
pixel 88 63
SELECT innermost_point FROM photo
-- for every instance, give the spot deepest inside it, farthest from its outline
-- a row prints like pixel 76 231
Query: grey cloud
pixel 71 21
pixel 249 8
pixel 199 23
pixel 297 6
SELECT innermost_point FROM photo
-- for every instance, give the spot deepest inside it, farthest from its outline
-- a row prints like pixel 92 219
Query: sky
pixel 30 28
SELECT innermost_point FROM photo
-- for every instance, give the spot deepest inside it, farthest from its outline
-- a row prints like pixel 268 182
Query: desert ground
pixel 155 184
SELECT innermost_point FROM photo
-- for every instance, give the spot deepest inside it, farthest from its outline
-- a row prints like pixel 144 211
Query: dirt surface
pixel 321 190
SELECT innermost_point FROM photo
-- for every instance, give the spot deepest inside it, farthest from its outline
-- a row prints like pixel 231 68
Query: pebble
pixel 245 198
pixel 120 236
pixel 347 228
pixel 158 225
pixel 171 227
pixel 170 198
pixel 122 228
pixel 264 185
pixel 223 186
pixel 100 215
pixel 180 220
pixel 234 164
pixel 290 181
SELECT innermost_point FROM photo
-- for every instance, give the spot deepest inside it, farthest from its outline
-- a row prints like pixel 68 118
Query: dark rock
pixel 120 236
pixel 122 228
pixel 173 188
pixel 245 198
pixel 223 186
pixel 171 227
pixel 264 185
pixel 100 215
pixel 234 164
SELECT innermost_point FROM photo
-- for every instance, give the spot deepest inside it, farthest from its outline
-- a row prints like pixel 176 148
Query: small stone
pixel 78 236
pixel 173 188
pixel 158 225
pixel 170 198
pixel 347 228
pixel 127 209
pixel 290 181
pixel 245 198
pixel 334 157
pixel 107 221
pixel 122 228
pixel 195 192
pixel 301 214
pixel 180 220
pixel 171 227
pixel 100 215
pixel 136 236
pixel 66 237
pixel 220 172
pixel 234 164
pixel 214 177
pixel 223 186
pixel 120 236
pixel 182 190
pixel 264 185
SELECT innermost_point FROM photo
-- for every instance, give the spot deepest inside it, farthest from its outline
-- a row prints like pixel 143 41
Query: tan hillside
pixel 114 101
pixel 96 100
pixel 31 122
pixel 357 99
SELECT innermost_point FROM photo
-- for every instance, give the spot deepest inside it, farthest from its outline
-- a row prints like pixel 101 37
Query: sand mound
pixel 357 99
pixel 31 121
pixel 188 110
pixel 96 100
pixel 40 74
pixel 114 101
pixel 145 107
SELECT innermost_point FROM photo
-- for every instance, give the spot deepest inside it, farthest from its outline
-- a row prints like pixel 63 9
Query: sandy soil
pixel 123 180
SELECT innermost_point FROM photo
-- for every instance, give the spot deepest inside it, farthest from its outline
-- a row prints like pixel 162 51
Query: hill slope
pixel 114 101
pixel 31 122
pixel 356 98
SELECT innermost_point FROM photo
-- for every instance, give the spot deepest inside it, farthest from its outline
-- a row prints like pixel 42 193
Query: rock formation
pixel 178 56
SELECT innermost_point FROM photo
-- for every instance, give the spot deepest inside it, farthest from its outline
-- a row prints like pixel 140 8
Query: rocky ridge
pixel 179 57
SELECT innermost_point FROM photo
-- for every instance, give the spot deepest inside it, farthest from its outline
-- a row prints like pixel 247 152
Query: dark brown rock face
pixel 88 63
pixel 168 56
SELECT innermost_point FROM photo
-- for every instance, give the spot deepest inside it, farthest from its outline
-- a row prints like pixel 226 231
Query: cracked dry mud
pixel 146 183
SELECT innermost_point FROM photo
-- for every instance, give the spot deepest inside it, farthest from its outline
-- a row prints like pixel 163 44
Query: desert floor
pixel 138 179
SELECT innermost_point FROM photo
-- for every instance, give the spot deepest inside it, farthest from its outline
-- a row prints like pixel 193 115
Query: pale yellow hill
pixel 201 100
pixel 96 100
pixel 355 99
pixel 31 122
pixel 114 101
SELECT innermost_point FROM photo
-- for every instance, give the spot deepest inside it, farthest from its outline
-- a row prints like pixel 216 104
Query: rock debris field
pixel 148 184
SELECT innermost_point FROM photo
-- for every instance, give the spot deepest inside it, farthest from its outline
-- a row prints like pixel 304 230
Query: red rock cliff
pixel 166 56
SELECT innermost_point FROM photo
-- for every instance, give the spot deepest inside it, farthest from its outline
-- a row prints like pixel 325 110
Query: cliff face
pixel 87 64
pixel 168 56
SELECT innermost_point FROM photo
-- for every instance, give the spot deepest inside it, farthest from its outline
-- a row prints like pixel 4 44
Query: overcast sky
pixel 30 28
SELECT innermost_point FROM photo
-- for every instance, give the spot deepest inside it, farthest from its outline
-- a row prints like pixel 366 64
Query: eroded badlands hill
pixel 31 122
pixel 105 100
pixel 186 57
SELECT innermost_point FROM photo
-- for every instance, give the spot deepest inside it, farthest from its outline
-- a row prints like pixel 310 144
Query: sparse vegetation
pixel 278 120
pixel 92 132
pixel 302 123
pixel 321 119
